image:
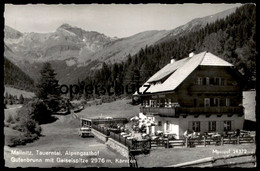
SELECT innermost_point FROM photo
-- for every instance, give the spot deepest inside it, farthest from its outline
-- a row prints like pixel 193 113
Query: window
pixel 227 125
pixel 196 126
pixel 199 81
pixel 227 102
pixel 195 102
pixel 222 81
pixel 144 103
pixel 169 103
pixel 211 81
pixel 216 102
pixel 217 81
pixel 207 102
pixel 153 103
pixel 212 125
pixel 150 103
pixel 147 103
pixel 159 123
pixel 158 103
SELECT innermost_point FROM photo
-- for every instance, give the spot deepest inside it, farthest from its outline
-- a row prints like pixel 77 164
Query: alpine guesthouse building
pixel 201 92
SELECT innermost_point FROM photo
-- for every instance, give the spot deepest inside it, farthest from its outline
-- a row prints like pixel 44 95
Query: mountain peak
pixel 12 33
pixel 65 26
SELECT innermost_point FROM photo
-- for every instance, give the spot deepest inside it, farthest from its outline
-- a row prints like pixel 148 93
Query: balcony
pixel 213 88
pixel 212 110
pixel 158 110
pixel 192 110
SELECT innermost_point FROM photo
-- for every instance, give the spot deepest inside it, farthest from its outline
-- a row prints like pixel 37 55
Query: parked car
pixel 85 131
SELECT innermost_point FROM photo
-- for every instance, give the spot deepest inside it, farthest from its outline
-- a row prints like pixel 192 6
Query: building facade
pixel 202 93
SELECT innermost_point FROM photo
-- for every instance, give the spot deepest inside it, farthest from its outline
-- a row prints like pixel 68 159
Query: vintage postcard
pixel 130 85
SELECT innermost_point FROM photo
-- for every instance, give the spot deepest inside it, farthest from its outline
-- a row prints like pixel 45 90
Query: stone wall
pixel 99 135
pixel 120 148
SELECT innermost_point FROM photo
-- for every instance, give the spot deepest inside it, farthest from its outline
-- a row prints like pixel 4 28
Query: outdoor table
pixel 154 137
pixel 127 135
pixel 130 138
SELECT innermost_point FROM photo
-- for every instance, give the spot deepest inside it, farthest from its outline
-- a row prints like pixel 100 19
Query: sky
pixel 114 20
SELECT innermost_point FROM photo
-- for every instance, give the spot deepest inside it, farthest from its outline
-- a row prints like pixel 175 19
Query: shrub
pixel 14 141
pixel 6 124
pixel 38 129
pixel 10 119
pixel 26 137
pixel 53 104
pixel 17 118
pixel 27 122
pixel 36 110
pixel 18 127
pixel 33 127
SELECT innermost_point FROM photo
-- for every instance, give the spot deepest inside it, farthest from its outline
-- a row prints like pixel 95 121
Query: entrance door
pixel 175 129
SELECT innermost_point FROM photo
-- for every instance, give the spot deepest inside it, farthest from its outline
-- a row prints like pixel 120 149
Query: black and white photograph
pixel 152 85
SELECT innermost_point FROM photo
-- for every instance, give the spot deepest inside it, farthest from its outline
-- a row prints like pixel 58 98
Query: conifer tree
pixel 21 99
pixel 48 88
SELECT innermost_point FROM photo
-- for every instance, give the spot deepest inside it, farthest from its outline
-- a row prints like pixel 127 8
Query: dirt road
pixel 60 146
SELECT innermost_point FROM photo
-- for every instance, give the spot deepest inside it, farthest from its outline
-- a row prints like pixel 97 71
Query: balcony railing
pixel 220 109
pixel 213 88
pixel 158 110
pixel 192 110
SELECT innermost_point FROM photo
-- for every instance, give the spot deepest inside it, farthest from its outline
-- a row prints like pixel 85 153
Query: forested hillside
pixel 15 77
pixel 232 38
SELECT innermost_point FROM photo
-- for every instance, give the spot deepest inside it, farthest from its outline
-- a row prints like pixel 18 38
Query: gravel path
pixel 52 149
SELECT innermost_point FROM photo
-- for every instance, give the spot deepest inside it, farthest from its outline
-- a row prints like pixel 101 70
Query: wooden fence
pixel 119 138
pixel 133 145
pixel 100 129
pixel 201 141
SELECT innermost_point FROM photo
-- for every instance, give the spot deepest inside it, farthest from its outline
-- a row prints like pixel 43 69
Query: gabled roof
pixel 178 71
pixel 212 60
pixel 167 70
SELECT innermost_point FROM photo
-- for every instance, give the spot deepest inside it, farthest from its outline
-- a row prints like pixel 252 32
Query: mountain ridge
pixel 74 50
pixel 197 23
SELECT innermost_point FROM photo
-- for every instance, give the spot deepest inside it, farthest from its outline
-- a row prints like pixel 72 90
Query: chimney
pixel 172 60
pixel 191 54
